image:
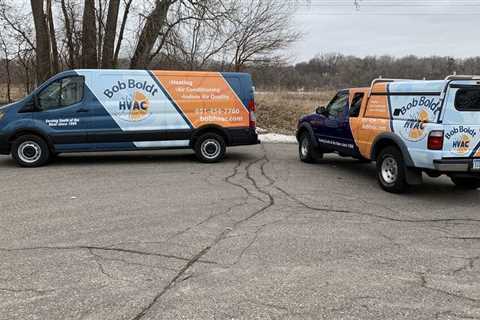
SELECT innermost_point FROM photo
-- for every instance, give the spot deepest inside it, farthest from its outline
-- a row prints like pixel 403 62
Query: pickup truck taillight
pixel 252 108
pixel 435 140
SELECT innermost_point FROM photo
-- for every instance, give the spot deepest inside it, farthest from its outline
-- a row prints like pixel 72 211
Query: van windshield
pixel 468 99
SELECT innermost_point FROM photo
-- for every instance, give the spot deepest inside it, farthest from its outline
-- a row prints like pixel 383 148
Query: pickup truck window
pixel 356 105
pixel 336 108
pixel 61 93
pixel 468 99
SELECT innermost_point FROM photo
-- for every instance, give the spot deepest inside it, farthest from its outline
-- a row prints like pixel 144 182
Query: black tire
pixel 210 148
pixel 391 170
pixel 30 151
pixel 306 150
pixel 466 183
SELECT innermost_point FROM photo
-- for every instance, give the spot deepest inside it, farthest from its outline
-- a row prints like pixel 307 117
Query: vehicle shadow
pixel 432 188
pixel 133 157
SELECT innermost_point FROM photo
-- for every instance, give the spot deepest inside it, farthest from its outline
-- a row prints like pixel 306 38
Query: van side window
pixel 336 108
pixel 468 99
pixel 356 105
pixel 62 93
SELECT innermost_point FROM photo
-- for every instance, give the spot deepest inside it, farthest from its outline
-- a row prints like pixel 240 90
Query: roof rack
pixel 382 80
pixel 462 77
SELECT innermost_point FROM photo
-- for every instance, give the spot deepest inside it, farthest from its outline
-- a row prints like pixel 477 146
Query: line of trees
pixel 335 71
pixel 39 38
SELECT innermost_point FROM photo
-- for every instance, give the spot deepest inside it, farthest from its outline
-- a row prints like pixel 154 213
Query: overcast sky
pixel 394 27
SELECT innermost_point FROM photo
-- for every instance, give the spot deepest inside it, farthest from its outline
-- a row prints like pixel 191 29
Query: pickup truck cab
pixel 126 110
pixel 408 127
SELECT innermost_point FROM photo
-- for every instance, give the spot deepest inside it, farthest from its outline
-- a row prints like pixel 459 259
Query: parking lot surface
pixel 260 236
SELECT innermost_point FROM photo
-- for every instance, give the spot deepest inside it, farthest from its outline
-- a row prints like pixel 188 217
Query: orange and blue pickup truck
pixel 124 110
pixel 408 127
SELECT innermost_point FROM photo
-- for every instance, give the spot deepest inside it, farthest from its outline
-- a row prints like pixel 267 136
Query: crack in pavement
pixel 37 291
pixel 467 266
pixel 372 215
pixel 185 268
pixel 223 234
pixel 229 178
pixel 209 218
pixel 88 248
pixel 424 284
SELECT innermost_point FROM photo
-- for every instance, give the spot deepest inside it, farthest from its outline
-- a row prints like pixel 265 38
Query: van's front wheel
pixel 210 148
pixel 391 170
pixel 30 151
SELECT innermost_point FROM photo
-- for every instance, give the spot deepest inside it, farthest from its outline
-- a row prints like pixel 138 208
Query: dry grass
pixel 279 111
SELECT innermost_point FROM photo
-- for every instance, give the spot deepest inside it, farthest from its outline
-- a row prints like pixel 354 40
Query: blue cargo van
pixel 125 110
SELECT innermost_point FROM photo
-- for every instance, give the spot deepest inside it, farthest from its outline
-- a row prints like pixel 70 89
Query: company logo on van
pixel 418 112
pixel 132 98
pixel 461 139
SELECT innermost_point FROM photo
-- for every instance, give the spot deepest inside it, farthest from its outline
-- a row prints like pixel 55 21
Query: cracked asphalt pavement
pixel 260 236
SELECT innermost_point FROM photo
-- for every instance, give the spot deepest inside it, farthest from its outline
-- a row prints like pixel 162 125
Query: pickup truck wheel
pixel 30 151
pixel 466 183
pixel 391 170
pixel 210 148
pixel 306 150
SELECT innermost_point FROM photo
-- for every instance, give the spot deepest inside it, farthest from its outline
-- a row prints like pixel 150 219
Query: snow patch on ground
pixel 265 137
pixel 277 138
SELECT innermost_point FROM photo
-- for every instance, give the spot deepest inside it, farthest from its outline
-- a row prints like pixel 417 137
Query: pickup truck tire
pixel 210 148
pixel 466 183
pixel 306 150
pixel 30 151
pixel 391 170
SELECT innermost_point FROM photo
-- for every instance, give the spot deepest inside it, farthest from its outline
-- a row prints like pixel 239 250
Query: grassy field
pixel 279 111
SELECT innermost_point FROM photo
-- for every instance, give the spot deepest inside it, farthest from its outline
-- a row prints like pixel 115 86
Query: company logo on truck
pixel 418 112
pixel 132 98
pixel 460 139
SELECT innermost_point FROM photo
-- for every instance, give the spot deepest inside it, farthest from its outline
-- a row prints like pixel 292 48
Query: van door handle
pixel 82 110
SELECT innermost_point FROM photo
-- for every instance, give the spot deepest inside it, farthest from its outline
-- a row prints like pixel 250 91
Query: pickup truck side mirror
pixel 321 110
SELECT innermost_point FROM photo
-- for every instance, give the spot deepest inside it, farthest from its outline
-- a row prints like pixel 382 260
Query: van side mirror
pixel 30 105
pixel 321 110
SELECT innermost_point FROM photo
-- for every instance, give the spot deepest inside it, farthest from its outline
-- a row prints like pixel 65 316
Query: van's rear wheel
pixel 30 151
pixel 391 170
pixel 210 148
pixel 466 183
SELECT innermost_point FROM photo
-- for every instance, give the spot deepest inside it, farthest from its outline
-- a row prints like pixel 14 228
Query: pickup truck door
pixel 334 132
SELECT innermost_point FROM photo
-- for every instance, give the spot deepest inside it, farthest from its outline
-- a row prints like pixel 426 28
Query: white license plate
pixel 476 164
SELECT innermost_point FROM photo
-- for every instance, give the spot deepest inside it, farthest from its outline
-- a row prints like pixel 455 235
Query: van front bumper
pixel 455 165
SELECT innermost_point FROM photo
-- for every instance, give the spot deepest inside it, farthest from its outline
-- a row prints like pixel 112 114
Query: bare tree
pixel 259 29
pixel 53 39
pixel 148 36
pixel 89 36
pixel 110 32
pixel 126 12
pixel 5 48
pixel 42 41
pixel 69 35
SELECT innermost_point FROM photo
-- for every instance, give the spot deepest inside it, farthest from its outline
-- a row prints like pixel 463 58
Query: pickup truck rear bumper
pixel 455 165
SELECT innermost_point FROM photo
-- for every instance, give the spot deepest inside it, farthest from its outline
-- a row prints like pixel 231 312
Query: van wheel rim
pixel 29 151
pixel 389 170
pixel 211 149
pixel 304 147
